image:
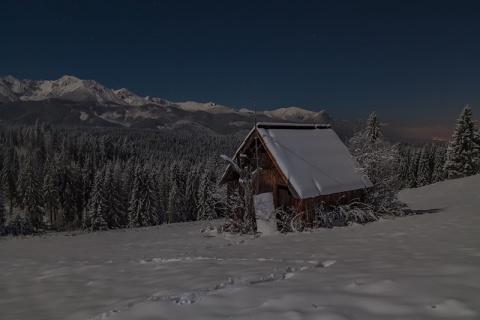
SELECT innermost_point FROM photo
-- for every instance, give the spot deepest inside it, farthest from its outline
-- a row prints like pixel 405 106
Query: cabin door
pixel 283 197
pixel 265 213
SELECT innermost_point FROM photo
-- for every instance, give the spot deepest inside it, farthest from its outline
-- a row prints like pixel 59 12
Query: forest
pixel 65 178
pixel 68 178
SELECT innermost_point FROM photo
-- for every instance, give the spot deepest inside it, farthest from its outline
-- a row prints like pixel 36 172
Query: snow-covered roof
pixel 312 158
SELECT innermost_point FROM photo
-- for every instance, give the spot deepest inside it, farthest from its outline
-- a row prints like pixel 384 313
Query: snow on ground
pixel 425 266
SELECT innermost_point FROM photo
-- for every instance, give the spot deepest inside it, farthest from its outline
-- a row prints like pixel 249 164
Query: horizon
pixel 414 64
pixel 436 132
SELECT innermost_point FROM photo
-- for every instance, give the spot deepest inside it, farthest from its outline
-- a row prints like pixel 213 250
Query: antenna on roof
pixel 256 130
pixel 255 104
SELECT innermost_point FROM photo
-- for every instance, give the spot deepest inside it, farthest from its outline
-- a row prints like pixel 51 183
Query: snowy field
pixel 419 267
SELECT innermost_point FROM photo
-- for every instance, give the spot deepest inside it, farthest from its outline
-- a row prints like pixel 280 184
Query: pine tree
pixel 413 169
pixel 191 192
pixel 50 190
pixel 423 174
pixel 95 216
pixel 127 176
pixel 144 209
pixel 9 174
pixel 2 214
pixel 206 188
pixel 404 166
pixel 176 208
pixel 379 161
pixel 88 176
pixel 373 127
pixel 134 206
pixel 174 202
pixel 68 181
pixel 463 152
pixel 150 204
pixel 163 189
pixel 29 189
pixel 115 206
pixel 438 173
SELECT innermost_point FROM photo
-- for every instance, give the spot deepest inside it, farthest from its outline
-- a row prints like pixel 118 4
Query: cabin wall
pixel 308 205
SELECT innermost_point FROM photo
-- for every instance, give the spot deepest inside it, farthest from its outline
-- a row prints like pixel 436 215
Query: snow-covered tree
pixel 176 208
pixel 9 174
pixel 30 188
pixel 120 196
pixel 115 204
pixel 438 173
pixel 135 218
pixel 143 207
pixel 404 165
pixel 463 152
pixel 379 161
pixel 94 219
pixel 87 179
pixel 205 194
pixel 191 191
pixel 2 214
pixel 413 169
pixel 423 172
pixel 373 127
pixel 237 204
pixel 50 189
pixel 175 202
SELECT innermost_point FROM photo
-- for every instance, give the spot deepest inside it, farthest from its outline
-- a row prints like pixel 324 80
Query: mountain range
pixel 73 101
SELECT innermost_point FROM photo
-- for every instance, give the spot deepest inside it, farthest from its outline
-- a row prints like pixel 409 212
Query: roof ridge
pixel 279 125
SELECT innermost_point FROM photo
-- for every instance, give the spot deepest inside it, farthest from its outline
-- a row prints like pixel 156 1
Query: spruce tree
pixel 2 214
pixel 50 190
pixel 404 166
pixel 150 204
pixel 438 173
pixel 135 206
pixel 95 216
pixel 379 161
pixel 413 169
pixel 144 209
pixel 423 174
pixel 176 208
pixel 174 202
pixel 88 176
pixel 463 152
pixel 206 188
pixel 115 206
pixel 373 127
pixel 9 174
pixel 191 192
pixel 30 189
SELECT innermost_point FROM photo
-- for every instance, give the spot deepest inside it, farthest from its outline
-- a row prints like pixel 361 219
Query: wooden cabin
pixel 303 165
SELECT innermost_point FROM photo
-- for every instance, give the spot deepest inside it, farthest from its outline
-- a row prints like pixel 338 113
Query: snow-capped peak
pixel 124 93
pixel 67 87
pixel 211 107
pixel 297 114
pixel 74 89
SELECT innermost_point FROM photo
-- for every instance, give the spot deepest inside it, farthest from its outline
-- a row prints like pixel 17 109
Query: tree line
pixel 392 167
pixel 98 179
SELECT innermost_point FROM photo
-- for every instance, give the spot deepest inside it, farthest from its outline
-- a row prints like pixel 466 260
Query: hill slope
pixel 418 267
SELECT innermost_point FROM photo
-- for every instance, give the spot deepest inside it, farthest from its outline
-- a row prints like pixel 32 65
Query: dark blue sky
pixel 411 61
